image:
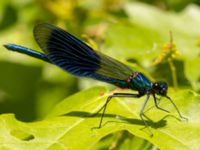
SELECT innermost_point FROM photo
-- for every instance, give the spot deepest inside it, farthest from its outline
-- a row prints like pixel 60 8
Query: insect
pixel 72 55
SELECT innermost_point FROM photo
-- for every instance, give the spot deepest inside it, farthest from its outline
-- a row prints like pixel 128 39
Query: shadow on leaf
pixel 159 124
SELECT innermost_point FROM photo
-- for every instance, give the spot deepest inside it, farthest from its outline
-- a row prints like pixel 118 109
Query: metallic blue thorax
pixel 140 83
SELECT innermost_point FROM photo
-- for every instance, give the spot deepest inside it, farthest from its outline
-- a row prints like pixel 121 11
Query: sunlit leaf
pixel 70 126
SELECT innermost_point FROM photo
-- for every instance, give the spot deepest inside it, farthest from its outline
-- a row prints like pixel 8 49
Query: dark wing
pixel 76 57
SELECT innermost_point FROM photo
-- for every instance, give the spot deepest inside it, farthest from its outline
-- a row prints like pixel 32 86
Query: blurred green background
pixel 134 32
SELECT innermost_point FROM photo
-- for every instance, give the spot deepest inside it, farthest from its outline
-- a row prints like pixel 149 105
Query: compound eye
pixel 163 91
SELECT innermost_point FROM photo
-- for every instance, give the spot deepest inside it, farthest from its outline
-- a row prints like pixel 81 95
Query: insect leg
pixel 176 108
pixel 156 104
pixel 142 114
pixel 110 97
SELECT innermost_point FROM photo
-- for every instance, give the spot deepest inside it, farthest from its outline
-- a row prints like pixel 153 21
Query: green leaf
pixel 69 125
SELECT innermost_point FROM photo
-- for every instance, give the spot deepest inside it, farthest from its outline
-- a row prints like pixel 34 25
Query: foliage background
pixel 134 32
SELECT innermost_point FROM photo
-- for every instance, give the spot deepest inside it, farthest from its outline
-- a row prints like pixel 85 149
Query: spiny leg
pixel 142 114
pixel 176 108
pixel 156 104
pixel 120 95
pixel 110 97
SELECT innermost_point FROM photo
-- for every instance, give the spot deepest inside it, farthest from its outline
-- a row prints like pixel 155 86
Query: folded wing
pixel 76 57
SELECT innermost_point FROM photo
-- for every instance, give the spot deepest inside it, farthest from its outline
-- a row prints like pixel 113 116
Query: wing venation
pixel 76 57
